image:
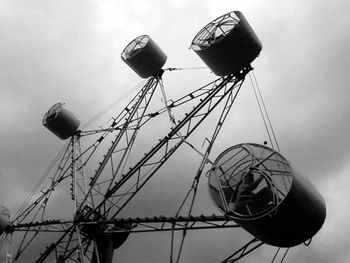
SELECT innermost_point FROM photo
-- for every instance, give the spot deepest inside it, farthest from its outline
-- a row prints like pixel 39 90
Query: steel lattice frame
pixel 99 202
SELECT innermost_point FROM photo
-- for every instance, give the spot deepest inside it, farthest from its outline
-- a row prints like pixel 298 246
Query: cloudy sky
pixel 69 51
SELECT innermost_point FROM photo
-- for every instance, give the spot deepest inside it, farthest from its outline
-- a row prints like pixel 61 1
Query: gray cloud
pixel 69 51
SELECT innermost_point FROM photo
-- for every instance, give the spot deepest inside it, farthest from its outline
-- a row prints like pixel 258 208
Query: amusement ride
pixel 253 186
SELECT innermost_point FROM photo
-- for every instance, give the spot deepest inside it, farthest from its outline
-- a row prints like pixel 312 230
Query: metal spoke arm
pixel 62 172
pixel 118 194
pixel 243 251
pixel 67 246
pixel 60 246
pixel 159 154
pixel 68 243
pixel 119 121
pixel 134 111
pixel 172 104
pixel 43 226
pixel 162 223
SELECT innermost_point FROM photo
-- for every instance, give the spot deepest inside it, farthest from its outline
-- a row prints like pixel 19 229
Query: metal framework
pixel 140 225
pixel 99 202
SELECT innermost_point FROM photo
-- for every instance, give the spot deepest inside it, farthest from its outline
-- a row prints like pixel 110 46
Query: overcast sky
pixel 69 51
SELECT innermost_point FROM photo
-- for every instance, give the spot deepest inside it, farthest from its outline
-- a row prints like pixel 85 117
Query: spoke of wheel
pixel 243 251
pixel 229 102
pixel 171 142
pixel 132 112
pixel 54 246
pixel 71 240
pixel 274 257
pixel 285 254
pixel 24 245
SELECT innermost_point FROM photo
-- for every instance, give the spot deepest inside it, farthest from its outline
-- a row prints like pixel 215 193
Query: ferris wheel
pixel 100 172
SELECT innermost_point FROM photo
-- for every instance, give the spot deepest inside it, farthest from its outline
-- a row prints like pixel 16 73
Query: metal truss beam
pixel 122 189
pixel 160 153
pixel 145 224
pixel 243 251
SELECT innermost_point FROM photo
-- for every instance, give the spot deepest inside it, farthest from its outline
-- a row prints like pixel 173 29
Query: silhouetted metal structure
pixel 227 45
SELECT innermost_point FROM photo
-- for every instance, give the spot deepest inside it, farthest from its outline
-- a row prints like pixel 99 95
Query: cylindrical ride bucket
pixel 257 187
pixel 60 121
pixel 144 56
pixel 227 44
